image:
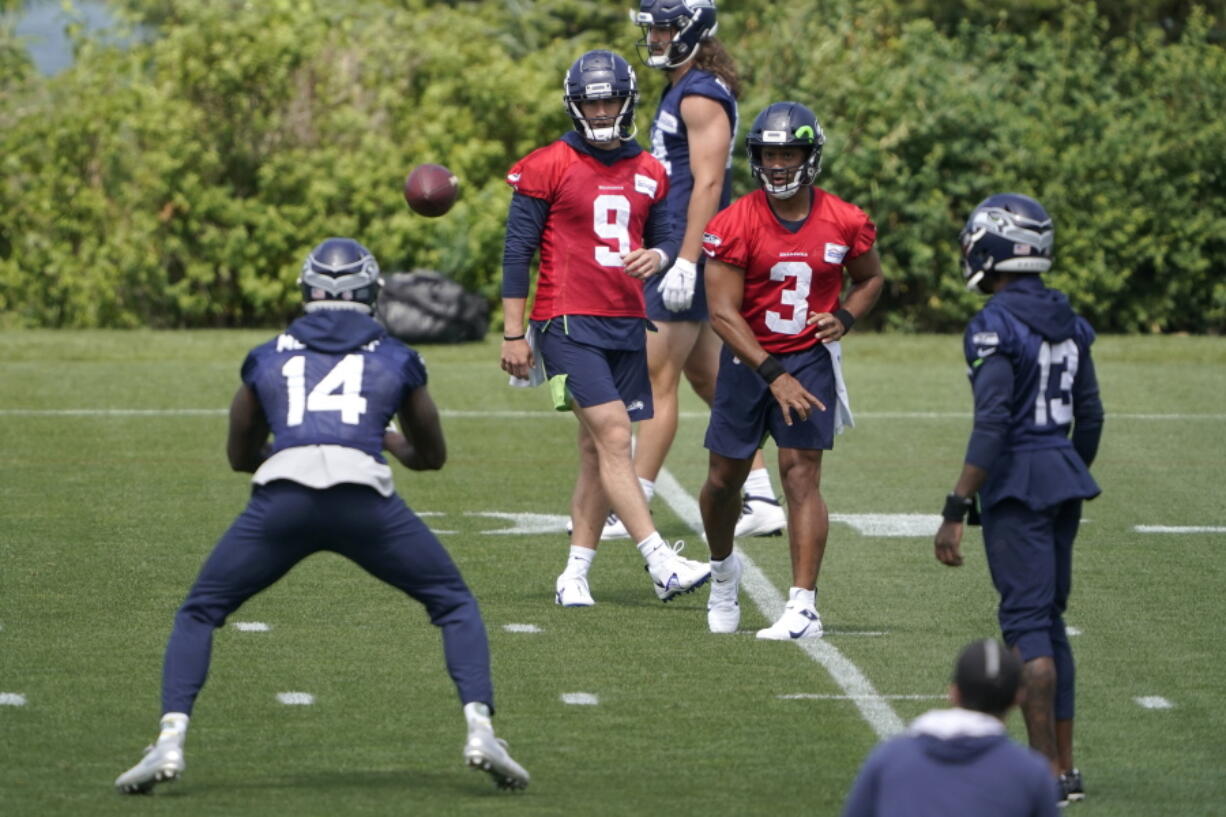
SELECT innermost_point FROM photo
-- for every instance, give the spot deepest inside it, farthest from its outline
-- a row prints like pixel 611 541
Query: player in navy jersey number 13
pixel 1033 380
pixel 776 264
pixel 593 203
pixel 326 389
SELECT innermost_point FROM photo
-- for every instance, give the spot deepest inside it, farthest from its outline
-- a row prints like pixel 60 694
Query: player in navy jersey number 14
pixel 1033 381
pixel 776 263
pixel 593 203
pixel 326 389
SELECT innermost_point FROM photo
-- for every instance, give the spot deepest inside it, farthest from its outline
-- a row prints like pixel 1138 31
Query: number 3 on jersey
pixel 345 377
pixel 1059 360
pixel 796 297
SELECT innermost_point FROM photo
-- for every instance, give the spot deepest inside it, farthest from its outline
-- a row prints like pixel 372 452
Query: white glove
pixel 677 285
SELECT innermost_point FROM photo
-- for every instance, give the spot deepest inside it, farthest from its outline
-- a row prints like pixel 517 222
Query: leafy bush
pixel 181 181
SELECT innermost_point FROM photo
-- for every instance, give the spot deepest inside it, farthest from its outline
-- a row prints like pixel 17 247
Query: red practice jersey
pixel 597 213
pixel 788 276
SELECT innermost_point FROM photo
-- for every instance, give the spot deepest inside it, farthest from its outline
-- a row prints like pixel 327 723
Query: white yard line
pixel 1179 528
pixel 510 414
pixel 873 707
pixel 1154 702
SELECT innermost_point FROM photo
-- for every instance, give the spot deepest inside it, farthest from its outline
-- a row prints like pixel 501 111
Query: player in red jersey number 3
pixel 774 277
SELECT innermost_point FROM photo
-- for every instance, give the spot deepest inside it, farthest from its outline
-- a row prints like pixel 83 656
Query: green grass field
pixel 114 486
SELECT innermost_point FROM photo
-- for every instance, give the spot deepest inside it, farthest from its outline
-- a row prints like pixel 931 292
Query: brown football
pixel 431 190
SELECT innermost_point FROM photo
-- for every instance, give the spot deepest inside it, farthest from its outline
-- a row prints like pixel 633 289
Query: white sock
pixel 477 715
pixel 654 549
pixel 579 562
pixel 649 488
pixel 802 597
pixel 724 567
pixel 173 728
pixel 758 483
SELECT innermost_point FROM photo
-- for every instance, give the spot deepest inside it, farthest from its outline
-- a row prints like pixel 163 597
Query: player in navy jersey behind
pixel 593 203
pixel 1033 380
pixel 327 389
pixel 692 134
pixel 775 269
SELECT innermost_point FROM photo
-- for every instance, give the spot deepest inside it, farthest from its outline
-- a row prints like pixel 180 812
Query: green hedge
pixel 181 181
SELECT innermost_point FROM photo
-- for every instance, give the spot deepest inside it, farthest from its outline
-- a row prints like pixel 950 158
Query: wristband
pixel 846 318
pixel 771 369
pixel 513 337
pixel 956 508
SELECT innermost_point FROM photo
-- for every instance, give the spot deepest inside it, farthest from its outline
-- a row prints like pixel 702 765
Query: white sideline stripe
pixel 543 414
pixel 1154 702
pixel 857 632
pixel 874 709
pixel 1072 630
pixel 580 699
pixel 521 628
pixel 1179 529
pixel 251 626
pixel 296 698
pixel 809 696
pixel 12 699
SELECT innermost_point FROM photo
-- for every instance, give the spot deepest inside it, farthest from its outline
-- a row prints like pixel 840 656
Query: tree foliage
pixel 179 181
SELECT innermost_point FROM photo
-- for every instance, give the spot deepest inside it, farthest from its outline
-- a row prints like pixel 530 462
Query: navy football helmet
pixel 691 21
pixel 601 75
pixel 1007 232
pixel 340 273
pixel 786 125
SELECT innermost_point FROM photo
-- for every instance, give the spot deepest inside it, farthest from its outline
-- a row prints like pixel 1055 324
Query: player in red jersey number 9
pixel 594 204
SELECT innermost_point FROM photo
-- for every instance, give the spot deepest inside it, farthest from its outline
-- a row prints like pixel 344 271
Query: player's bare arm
pixel 421 447
pixel 867 281
pixel 516 355
pixel 710 136
pixel 948 541
pixel 248 431
pixel 725 291
pixel 643 262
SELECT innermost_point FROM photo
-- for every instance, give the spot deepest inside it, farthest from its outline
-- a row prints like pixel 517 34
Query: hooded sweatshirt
pixel 953 763
pixel 1033 379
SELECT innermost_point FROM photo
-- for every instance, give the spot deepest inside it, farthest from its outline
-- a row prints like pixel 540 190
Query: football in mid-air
pixel 430 190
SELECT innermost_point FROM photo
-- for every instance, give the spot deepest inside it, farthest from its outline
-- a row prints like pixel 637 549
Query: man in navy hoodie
pixel 326 389
pixel 960 760
pixel 1033 381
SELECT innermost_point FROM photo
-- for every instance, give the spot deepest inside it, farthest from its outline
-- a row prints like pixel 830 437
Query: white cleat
pixel 760 516
pixel 723 609
pixel 797 622
pixel 675 574
pixel 489 754
pixel 572 591
pixel 162 763
pixel 613 528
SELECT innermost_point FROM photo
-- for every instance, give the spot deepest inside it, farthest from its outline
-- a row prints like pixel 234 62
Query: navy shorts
pixel 657 311
pixel 745 412
pixel 1030 556
pixel 591 375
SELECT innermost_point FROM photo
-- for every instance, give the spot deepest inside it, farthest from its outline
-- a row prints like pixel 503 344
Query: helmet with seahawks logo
pixel 786 125
pixel 1007 232
pixel 340 273
pixel 601 75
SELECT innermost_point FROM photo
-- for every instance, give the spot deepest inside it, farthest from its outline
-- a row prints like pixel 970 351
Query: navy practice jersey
pixel 670 140
pixel 1050 384
pixel 333 377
